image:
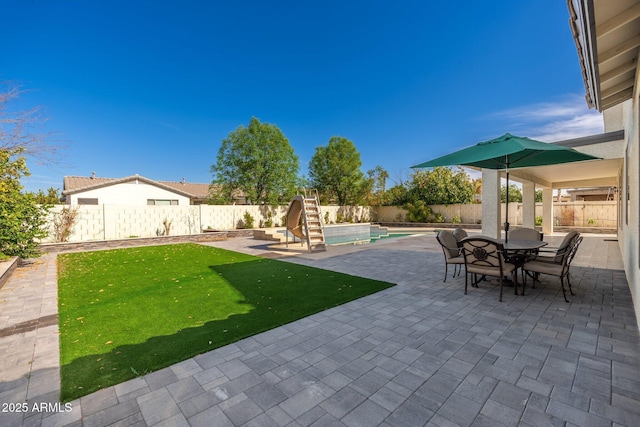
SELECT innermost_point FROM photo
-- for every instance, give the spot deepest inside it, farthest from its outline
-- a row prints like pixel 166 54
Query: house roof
pixel 77 184
pixel 607 37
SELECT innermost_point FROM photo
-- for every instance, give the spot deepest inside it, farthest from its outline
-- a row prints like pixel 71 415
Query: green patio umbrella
pixel 509 152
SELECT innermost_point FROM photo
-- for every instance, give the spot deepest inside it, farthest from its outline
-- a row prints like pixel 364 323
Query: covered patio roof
pixel 608 146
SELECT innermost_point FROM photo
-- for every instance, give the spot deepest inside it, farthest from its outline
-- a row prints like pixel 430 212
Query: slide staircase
pixel 304 221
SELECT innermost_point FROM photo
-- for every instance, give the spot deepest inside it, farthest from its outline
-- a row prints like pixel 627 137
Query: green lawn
pixel 128 312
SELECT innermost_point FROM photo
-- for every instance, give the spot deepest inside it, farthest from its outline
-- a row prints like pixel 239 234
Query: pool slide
pixel 295 223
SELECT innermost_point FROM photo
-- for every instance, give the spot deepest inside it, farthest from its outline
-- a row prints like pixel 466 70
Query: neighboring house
pixel 131 190
pixel 593 194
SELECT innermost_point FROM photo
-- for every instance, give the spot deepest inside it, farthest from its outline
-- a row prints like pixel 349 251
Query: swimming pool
pixel 359 234
pixel 391 236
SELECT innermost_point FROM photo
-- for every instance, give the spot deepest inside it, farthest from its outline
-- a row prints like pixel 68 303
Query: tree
pixel 441 186
pixel 376 186
pixel 51 198
pixel 397 195
pixel 22 220
pixel 538 196
pixel 258 161
pixel 477 189
pixel 20 130
pixel 335 171
pixel 515 193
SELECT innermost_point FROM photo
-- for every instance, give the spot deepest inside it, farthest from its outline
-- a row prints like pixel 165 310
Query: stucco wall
pixel 106 222
pixel 629 227
pixel 578 214
pixel 129 193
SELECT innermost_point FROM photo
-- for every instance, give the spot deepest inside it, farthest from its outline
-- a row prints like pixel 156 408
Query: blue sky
pixel 153 87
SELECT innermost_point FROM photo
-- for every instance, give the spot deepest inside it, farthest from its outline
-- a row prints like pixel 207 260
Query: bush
pixel 63 223
pixel 248 220
pixel 418 211
pixel 538 220
pixel 22 220
pixel 268 223
pixel 456 219
pixel 439 218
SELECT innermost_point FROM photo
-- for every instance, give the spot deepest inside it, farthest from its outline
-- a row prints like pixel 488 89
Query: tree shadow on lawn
pixel 272 297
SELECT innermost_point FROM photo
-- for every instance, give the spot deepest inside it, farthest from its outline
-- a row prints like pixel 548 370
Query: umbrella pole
pixel 506 219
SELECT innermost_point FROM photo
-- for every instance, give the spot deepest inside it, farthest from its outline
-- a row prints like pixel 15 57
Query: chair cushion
pixel 459 233
pixel 449 243
pixel 543 267
pixel 507 269
pixel 568 239
pixel 524 234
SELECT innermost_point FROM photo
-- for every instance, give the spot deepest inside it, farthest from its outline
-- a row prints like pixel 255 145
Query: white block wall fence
pixel 572 214
pixel 109 222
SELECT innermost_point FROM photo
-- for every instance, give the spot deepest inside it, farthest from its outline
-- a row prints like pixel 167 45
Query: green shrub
pixel 248 220
pixel 538 220
pixel 268 223
pixel 418 211
pixel 22 220
pixel 439 218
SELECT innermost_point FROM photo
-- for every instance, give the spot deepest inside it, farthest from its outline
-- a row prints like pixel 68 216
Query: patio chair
pixel 459 233
pixel 451 252
pixel 560 270
pixel 554 254
pixel 525 233
pixel 486 256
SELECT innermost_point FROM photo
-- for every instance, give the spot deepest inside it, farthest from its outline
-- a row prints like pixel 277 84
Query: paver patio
pixel 420 353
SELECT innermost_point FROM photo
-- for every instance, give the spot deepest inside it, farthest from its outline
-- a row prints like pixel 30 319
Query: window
pixel 627 186
pixel 87 201
pixel 161 202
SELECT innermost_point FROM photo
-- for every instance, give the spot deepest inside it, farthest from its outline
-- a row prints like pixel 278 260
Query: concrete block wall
pixel 347 213
pixel 109 222
pixel 578 214
pixel 468 214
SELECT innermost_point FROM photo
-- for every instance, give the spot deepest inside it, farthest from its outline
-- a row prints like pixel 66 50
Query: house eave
pixel 123 181
pixel 607 43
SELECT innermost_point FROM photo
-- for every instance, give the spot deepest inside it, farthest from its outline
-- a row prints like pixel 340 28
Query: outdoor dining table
pixel 523 245
pixel 518 252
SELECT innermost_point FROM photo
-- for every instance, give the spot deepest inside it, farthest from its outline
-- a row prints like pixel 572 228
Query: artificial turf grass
pixel 128 312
